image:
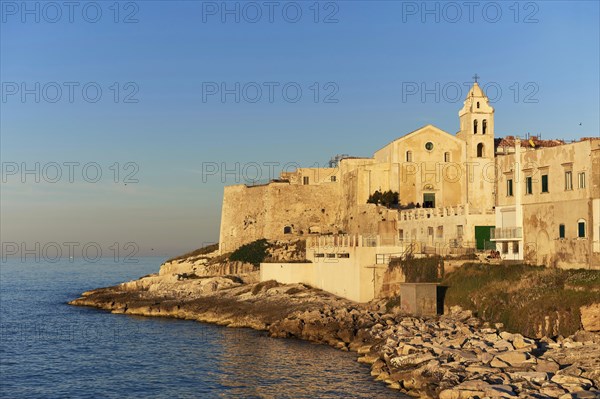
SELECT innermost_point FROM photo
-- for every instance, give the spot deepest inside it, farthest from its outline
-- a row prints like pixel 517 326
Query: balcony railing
pixel 506 233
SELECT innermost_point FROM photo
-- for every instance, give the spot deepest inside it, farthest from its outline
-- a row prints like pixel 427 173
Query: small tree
pixel 388 198
pixel 374 198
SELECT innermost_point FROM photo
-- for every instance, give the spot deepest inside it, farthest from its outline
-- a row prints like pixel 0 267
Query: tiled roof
pixel 509 141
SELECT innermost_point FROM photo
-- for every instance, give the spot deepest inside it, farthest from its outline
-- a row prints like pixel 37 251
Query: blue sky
pixel 539 60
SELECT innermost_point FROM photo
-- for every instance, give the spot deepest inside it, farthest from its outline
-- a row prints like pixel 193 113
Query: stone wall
pixel 541 231
pixel 252 213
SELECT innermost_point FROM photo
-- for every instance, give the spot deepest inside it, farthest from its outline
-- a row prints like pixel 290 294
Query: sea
pixel 49 349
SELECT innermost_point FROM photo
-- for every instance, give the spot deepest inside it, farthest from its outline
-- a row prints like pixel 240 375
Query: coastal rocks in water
pixel 447 357
pixel 451 356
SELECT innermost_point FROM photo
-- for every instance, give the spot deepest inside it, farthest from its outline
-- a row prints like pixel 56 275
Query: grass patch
pixel 198 252
pixel 254 252
pixel 530 300
pixel 264 286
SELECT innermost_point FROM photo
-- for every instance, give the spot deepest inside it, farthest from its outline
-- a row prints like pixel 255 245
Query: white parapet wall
pixel 341 278
pixel 352 272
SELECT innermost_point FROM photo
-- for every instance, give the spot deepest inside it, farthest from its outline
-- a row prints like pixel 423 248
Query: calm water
pixel 51 350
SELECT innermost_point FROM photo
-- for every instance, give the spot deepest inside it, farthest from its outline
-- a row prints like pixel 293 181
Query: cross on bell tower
pixel 475 77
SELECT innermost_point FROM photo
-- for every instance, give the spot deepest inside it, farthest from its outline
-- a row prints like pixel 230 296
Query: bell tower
pixel 477 130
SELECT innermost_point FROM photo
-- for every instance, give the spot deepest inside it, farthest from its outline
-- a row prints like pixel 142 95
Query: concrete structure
pixel 537 202
pixel 351 266
pixel 419 299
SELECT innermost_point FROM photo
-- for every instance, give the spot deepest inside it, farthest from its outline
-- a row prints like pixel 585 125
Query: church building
pixel 532 200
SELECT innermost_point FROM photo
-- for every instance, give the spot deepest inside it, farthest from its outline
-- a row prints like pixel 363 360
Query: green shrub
pixel 387 198
pixel 254 252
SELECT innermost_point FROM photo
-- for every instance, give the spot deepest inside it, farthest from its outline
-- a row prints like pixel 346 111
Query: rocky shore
pixel 451 356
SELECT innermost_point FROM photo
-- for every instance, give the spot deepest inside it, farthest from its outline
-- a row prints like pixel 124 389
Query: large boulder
pixel 590 317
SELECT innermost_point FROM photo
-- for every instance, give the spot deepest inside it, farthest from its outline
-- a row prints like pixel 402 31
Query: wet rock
pixel 368 359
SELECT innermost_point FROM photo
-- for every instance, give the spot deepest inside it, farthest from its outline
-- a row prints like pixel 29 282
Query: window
pixel 343 255
pixel 408 156
pixel 333 178
pixel 581 228
pixel 440 232
pixel 568 180
pixel 515 247
pixel 528 185
pixel 401 235
pixel 581 178
pixel 428 200
pixel 484 126
pixel 504 247
pixel 330 255
pixel 479 150
pixel 509 188
pixel 475 126
pixel 544 183
pixel 459 231
pixel 287 230
pixel 561 231
pixel 446 157
pixel 319 255
pixel 305 180
pixel 429 146
pixel 477 104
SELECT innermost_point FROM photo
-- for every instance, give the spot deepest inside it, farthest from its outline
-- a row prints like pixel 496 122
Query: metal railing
pixel 506 233
pixel 381 259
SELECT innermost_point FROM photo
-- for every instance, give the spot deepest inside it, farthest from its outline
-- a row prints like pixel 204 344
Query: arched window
pixel 408 156
pixel 484 126
pixel 287 230
pixel 477 104
pixel 480 150
pixel 475 126
pixel 446 157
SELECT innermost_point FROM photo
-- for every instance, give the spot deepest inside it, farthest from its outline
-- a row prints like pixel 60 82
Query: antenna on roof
pixel 334 161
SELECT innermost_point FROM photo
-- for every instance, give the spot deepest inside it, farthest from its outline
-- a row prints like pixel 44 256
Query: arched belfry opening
pixel 475 126
pixel 484 126
pixel 480 150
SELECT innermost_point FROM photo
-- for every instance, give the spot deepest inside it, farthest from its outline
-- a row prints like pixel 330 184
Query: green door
pixel 482 236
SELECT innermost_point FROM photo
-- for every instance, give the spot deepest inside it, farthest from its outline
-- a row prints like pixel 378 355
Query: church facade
pixel 452 191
